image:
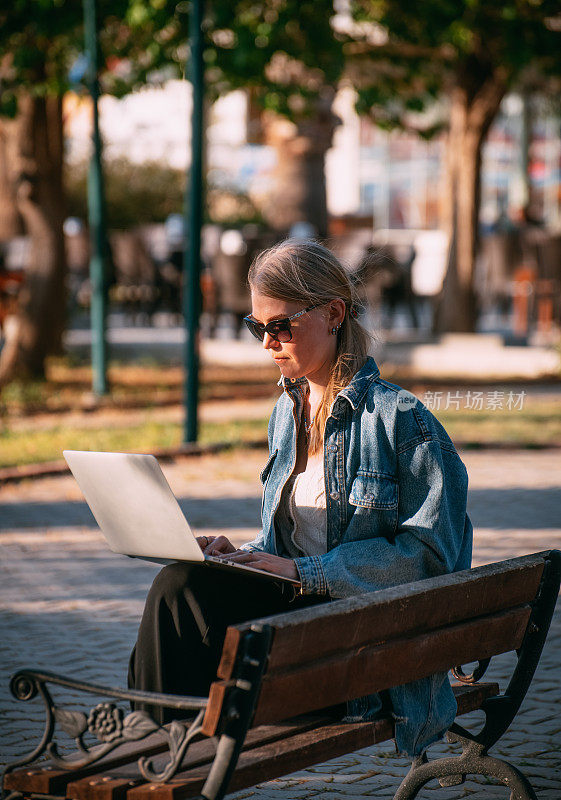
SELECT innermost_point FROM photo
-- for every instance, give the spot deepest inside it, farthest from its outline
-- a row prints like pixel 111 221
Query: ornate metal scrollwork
pixel 107 723
pixel 179 736
pixel 23 686
pixel 474 676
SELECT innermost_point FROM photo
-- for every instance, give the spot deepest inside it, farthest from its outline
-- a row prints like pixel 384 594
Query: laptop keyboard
pixel 225 561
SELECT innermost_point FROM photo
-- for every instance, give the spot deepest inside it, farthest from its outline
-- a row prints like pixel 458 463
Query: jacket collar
pixel 355 390
pixel 288 383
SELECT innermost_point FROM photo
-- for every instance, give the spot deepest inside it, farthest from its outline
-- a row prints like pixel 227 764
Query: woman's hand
pixel 265 561
pixel 215 545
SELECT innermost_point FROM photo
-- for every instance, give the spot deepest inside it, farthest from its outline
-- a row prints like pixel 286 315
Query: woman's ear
pixel 336 311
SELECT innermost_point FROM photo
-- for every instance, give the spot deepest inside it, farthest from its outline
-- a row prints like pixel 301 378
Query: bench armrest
pixel 105 721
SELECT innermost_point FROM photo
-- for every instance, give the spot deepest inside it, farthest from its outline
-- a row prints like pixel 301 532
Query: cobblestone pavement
pixel 69 605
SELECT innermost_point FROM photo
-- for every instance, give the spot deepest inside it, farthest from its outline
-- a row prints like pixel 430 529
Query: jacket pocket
pixel 374 490
pixel 268 467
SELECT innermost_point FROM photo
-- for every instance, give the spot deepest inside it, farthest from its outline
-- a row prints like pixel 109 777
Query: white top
pixel 303 514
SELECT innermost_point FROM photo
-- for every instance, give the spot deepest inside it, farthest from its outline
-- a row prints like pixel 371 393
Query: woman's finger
pixel 218 544
pixel 205 541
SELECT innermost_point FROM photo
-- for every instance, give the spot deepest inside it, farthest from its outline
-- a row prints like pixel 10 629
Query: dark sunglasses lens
pixel 256 328
pixel 280 331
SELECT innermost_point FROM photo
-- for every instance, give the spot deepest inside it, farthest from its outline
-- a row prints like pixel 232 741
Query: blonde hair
pixel 307 272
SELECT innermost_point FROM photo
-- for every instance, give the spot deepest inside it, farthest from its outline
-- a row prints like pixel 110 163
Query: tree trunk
pixel 471 115
pixel 36 331
pixel 299 192
pixel 10 220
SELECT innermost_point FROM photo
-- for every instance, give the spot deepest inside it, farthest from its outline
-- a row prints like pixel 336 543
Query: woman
pixel 363 490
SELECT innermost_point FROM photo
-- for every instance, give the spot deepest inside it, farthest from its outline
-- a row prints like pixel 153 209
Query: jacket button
pixel 334 495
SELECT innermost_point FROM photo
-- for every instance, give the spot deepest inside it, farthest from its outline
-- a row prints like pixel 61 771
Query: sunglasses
pixel 278 329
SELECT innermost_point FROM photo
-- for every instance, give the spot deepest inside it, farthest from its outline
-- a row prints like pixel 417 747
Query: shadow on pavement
pixel 527 509
pixel 238 512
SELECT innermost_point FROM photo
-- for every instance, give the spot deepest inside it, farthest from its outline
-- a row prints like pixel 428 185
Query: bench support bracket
pixel 452 771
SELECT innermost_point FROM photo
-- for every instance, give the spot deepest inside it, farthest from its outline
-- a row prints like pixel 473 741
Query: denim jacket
pixel 396 493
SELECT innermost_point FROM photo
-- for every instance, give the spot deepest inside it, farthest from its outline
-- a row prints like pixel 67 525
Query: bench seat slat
pixel 342 677
pixel 45 778
pixel 124 783
pixel 312 633
pixel 299 751
pixel 112 783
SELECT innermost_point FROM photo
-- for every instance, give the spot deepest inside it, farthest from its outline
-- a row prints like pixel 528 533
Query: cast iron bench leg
pixel 452 771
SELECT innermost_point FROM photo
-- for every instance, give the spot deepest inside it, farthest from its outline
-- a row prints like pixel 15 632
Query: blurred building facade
pixel 392 177
pixel 383 192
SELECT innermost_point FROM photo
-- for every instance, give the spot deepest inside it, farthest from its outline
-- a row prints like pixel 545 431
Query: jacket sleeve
pixel 432 536
pixel 256 544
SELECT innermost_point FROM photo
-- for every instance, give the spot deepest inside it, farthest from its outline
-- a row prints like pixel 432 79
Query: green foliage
pixel 422 52
pixel 285 50
pixel 39 41
pixel 138 194
pixel 231 208
pixel 135 193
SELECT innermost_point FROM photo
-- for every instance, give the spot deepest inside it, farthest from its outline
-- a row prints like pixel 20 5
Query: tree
pixel 404 59
pixel 140 41
pixel 39 200
pixel 39 39
pixel 284 54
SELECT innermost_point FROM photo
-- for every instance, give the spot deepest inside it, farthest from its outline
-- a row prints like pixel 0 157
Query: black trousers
pixel 184 623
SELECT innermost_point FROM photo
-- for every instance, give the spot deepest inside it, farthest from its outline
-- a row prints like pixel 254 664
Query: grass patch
pixel 28 447
pixel 538 423
pixel 68 387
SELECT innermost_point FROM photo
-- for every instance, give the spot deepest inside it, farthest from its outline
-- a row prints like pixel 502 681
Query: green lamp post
pixel 96 213
pixel 193 221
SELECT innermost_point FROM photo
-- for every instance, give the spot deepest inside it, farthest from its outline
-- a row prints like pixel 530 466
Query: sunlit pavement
pixel 69 605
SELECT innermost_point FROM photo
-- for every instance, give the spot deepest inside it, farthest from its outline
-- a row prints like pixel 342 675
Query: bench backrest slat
pixel 342 677
pixel 319 631
pixel 337 651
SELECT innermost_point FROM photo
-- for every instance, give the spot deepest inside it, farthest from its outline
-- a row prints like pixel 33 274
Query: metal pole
pixel 193 220
pixel 96 215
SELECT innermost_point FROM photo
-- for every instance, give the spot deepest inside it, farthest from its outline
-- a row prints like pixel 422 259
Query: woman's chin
pixel 287 367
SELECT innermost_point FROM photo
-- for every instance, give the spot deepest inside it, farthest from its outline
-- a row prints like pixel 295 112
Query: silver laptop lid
pixel 133 505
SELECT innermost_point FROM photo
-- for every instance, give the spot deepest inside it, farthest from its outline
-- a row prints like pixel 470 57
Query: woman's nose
pixel 269 342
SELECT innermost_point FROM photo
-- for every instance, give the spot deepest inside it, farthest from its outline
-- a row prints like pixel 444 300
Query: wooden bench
pixel 258 722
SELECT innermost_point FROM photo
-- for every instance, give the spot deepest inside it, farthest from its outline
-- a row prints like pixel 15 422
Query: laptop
pixel 138 513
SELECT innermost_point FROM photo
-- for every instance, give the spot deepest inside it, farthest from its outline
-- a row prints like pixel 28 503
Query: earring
pixel 334 330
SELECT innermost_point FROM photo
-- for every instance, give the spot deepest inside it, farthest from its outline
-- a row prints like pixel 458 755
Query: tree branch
pixel 487 100
pixel 367 49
